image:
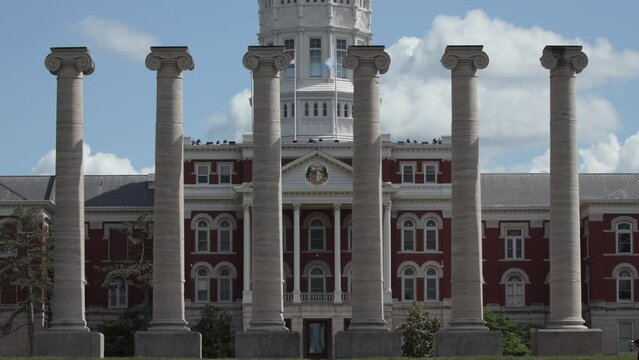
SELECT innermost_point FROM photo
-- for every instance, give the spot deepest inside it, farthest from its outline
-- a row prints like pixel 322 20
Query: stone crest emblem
pixel 316 174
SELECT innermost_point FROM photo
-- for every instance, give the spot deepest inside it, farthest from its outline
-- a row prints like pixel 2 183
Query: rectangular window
pixel 225 241
pixel 202 290
pixel 203 240
pixel 317 285
pixel 225 289
pixel 431 239
pixel 289 49
pixel 625 337
pixel 430 174
pixel 409 242
pixel 514 244
pixel 431 289
pixel 224 173
pixel 315 56
pixel 342 73
pixel 409 289
pixel 317 239
pixel 625 289
pixel 408 173
pixel 202 172
pixel 623 240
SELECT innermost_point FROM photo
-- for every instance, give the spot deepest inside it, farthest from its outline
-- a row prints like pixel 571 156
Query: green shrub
pixel 119 334
pixel 217 336
pixel 419 332
pixel 515 338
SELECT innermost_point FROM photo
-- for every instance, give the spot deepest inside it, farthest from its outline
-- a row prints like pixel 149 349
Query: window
pixel 408 173
pixel 317 235
pixel 514 244
pixel 283 235
pixel 315 109
pixel 430 173
pixel 224 173
pixel 285 111
pixel 408 235
pixel 408 284
pixel 345 110
pixel 305 109
pixel 349 282
pixel 292 109
pixel 432 284
pixel 350 235
pixel 624 285
pixel 117 293
pixel 339 109
pixel 224 236
pixel 430 235
pixel 315 56
pixel 341 54
pixel 202 235
pixel 202 285
pixel 202 171
pixel 624 238
pixel 325 110
pixel 317 280
pixel 625 337
pixel 515 290
pixel 289 50
pixel 224 288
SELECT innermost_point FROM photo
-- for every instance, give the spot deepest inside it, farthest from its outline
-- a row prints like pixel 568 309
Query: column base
pixel 367 343
pixel 167 343
pixel 61 343
pixel 555 342
pixel 468 343
pixel 267 344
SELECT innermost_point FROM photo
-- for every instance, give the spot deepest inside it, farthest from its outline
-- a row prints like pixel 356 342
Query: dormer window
pixel 224 173
pixel 202 173
pixel 430 173
pixel 408 173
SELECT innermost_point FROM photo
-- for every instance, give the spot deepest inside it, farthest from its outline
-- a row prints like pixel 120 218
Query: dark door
pixel 317 339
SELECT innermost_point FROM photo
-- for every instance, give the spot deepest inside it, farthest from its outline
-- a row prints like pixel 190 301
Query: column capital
pixel 464 59
pixel 388 203
pixel 337 206
pixel 371 55
pixel 564 60
pixel 78 57
pixel 270 58
pixel 297 206
pixel 164 55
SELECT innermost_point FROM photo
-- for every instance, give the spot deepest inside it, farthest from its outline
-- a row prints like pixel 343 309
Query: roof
pixel 26 188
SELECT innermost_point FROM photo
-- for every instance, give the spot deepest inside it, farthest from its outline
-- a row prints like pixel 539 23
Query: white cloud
pixel 118 37
pixel 94 164
pixel 513 90
pixel 232 124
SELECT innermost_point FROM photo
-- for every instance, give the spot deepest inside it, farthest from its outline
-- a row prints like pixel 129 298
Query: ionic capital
pixel 464 59
pixel 567 60
pixel 162 56
pixel 77 57
pixel 368 55
pixel 268 58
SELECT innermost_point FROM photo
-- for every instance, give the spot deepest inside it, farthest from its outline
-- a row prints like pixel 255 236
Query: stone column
pixel 388 292
pixel 337 234
pixel 267 336
pixel 565 332
pixel 246 270
pixel 296 254
pixel 466 320
pixel 368 335
pixel 69 334
pixel 168 334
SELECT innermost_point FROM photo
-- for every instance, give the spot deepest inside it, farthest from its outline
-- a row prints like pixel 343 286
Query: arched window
pixel 408 235
pixel 339 109
pixel 118 292
pixel 324 110
pixel 224 236
pixel 431 235
pixel 624 285
pixel 317 235
pixel 431 284
pixel 346 110
pixel 317 280
pixel 224 285
pixel 315 109
pixel 408 284
pixel 203 236
pixel 515 290
pixel 305 109
pixel 285 110
pixel 624 238
pixel 202 285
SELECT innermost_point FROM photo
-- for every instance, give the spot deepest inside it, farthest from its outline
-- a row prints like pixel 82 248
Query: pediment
pixel 317 171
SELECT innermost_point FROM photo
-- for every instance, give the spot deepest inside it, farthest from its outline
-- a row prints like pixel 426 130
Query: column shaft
pixel 388 292
pixel 466 257
pixel 246 293
pixel 168 209
pixel 337 232
pixel 296 253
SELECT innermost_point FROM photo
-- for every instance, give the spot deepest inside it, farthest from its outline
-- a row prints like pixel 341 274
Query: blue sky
pixel 120 95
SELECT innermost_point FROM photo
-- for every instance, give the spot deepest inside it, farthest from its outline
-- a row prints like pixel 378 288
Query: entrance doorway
pixel 317 338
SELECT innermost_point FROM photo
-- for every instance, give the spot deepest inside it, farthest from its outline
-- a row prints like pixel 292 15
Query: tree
pixel 515 339
pixel 137 273
pixel 419 331
pixel 28 242
pixel 217 336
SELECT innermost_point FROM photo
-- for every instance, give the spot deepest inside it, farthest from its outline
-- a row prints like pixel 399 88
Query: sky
pixel 119 97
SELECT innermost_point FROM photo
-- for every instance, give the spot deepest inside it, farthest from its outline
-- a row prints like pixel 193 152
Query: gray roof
pixel 533 189
pixel 26 188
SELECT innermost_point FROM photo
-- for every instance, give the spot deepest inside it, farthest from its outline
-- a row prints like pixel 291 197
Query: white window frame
pixel 207 166
pixel 402 167
pixel 119 293
pixel 403 229
pixel 314 53
pixel 430 164
pixel 624 231
pixel 221 278
pixel 340 54
pixel 202 279
pixel 511 287
pixel 317 227
pixel 517 242
pixel 289 50
pixel 312 276
pixel 431 277
pixel 222 165
pixel 221 229
pixel 521 226
pixel 197 236
pixel 630 279
pixel 434 228
pixel 412 278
